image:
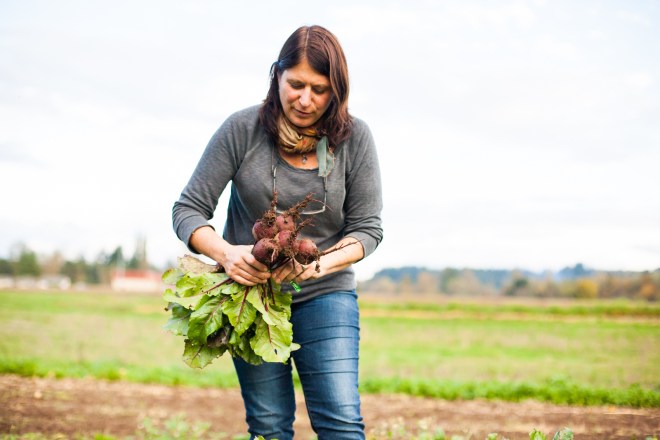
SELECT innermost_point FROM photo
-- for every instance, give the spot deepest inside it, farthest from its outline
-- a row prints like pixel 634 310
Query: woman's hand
pixel 237 261
pixel 348 251
pixel 241 266
pixel 291 271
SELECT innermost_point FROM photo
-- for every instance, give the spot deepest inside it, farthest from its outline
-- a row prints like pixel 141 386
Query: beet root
pixel 276 237
pixel 285 240
pixel 285 222
pixel 306 251
pixel 266 251
pixel 262 229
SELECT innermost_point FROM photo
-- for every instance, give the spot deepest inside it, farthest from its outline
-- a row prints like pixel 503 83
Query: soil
pixel 75 407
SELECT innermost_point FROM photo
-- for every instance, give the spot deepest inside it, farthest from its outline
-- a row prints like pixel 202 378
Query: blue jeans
pixel 328 331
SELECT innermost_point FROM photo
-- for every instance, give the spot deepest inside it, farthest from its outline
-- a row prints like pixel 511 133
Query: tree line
pixel 23 262
pixel 571 282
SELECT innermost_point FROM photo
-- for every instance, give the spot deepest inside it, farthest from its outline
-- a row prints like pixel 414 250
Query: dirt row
pixel 87 406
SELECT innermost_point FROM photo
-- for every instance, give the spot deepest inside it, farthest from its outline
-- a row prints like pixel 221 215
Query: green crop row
pixel 120 337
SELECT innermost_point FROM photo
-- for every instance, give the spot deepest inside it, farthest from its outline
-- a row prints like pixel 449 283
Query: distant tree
pixel 400 273
pixel 577 271
pixel 586 288
pixel 75 270
pixel 545 288
pixel 427 283
pixel 649 287
pixel 139 259
pixel 518 285
pixel 446 277
pixel 116 258
pixel 467 283
pixel 380 285
pixel 6 268
pixel 405 286
pixel 27 263
pixel 52 264
pixel 103 271
pixel 611 286
pixel 582 288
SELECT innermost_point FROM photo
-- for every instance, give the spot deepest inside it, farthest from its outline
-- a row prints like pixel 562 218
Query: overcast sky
pixel 511 134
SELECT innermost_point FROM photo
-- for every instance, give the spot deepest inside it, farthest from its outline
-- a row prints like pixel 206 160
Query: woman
pixel 300 140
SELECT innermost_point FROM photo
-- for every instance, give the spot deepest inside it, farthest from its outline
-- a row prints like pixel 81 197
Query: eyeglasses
pixel 325 194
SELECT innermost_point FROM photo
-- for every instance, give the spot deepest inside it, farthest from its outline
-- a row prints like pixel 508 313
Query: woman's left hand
pixel 294 271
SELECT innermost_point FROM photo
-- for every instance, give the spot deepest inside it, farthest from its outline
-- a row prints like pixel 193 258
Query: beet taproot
pixel 285 222
pixel 266 251
pixel 306 251
pixel 262 229
pixel 285 240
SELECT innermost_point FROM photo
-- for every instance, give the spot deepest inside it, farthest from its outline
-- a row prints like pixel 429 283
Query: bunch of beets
pixel 215 314
pixel 277 238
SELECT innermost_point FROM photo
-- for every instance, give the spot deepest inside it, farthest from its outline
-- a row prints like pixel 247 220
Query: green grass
pixel 581 353
pixel 110 336
pixel 526 306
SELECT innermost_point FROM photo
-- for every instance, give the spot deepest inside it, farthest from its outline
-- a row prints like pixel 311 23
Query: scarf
pixel 295 140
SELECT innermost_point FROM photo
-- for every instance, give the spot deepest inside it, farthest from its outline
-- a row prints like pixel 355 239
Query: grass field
pixel 562 352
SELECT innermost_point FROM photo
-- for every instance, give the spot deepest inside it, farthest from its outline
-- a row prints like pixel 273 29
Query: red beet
pixel 285 222
pixel 306 251
pixel 262 229
pixel 266 251
pixel 276 237
pixel 285 240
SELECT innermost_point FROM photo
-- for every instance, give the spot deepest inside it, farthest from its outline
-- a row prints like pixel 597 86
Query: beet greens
pixel 215 314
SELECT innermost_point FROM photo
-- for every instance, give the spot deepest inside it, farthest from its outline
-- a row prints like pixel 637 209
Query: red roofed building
pixel 134 280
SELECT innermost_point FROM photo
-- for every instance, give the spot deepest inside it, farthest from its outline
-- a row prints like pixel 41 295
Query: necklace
pixel 304 158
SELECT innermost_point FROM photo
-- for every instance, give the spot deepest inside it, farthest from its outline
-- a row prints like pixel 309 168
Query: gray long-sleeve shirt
pixel 241 153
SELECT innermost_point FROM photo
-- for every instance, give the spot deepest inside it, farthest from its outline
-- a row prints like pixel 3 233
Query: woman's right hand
pixel 237 261
pixel 241 266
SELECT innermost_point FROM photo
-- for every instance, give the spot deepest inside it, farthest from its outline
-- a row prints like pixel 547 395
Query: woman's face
pixel 305 94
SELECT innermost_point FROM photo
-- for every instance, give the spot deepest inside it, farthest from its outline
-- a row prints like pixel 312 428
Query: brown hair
pixel 325 55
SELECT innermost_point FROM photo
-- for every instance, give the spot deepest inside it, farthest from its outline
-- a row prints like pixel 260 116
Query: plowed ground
pixel 86 406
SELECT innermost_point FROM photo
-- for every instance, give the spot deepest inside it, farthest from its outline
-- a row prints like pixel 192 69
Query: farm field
pixel 465 365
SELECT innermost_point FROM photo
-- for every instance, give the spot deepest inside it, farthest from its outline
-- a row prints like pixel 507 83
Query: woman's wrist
pixel 349 251
pixel 207 242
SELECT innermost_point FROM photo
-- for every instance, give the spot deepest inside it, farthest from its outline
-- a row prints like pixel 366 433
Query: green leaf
pixel 273 343
pixel 240 311
pixel 171 276
pixel 239 346
pixel 283 300
pixel 193 284
pixel 205 320
pixel 188 302
pixel 564 434
pixel 178 322
pixel 199 356
pixel 272 315
pixel 231 288
pixel 221 337
pixel 216 314
pixel 537 435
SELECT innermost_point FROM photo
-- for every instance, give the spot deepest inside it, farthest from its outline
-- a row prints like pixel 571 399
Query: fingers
pixel 243 268
pixel 306 272
pixel 255 264
pixel 283 273
pixel 289 271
